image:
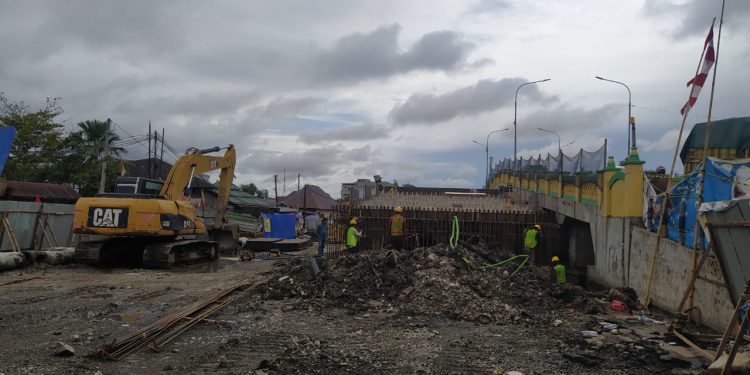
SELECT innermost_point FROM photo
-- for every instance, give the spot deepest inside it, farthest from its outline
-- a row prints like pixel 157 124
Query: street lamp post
pixel 515 116
pixel 487 155
pixel 631 123
pixel 559 149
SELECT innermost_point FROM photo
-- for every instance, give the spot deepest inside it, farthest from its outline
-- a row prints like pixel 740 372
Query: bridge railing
pixel 583 178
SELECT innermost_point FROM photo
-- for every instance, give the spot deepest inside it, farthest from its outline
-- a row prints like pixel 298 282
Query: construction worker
pixel 322 232
pixel 398 228
pixel 352 236
pixel 530 241
pixel 558 272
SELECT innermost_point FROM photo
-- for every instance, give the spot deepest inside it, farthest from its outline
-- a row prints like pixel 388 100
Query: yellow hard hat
pixel 353 222
pixel 555 259
pixel 398 209
pixel 538 227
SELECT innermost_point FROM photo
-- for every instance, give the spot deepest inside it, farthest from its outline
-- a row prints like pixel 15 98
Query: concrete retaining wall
pixel 611 238
pixel 623 252
pixel 672 275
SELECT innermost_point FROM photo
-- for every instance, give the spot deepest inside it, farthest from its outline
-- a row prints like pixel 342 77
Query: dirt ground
pixel 422 312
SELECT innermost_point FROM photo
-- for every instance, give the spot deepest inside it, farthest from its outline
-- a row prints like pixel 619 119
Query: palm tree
pixel 93 135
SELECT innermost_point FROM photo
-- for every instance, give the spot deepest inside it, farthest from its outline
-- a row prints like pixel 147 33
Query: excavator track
pixel 88 253
pixel 139 252
pixel 167 254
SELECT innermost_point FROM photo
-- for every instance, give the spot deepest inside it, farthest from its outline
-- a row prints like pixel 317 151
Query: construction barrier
pixel 34 226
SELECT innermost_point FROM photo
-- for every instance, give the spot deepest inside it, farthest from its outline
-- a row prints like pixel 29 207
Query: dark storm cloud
pixel 43 29
pixel 359 56
pixel 346 133
pixel 697 15
pixel 485 95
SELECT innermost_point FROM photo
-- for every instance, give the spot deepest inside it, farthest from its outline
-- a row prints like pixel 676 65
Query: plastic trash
pixel 609 326
pixel 618 305
pixel 644 318
pixel 589 333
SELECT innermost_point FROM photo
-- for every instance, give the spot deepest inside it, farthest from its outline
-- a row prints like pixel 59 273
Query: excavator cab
pixel 138 185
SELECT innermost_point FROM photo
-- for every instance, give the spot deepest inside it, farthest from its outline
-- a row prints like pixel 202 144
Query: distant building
pixel 729 139
pixel 363 188
pixel 37 192
pixel 310 198
pixel 139 168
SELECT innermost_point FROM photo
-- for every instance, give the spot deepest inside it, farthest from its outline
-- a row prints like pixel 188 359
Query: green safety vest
pixel 560 274
pixel 351 238
pixel 530 239
pixel 397 225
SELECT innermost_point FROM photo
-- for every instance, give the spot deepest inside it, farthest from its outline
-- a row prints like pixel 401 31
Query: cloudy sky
pixel 339 90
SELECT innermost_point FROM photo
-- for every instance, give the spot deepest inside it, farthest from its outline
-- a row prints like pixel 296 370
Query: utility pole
pixel 161 157
pixel 283 191
pixel 298 176
pixel 156 138
pixel 105 155
pixel 148 168
pixel 276 187
pixel 490 169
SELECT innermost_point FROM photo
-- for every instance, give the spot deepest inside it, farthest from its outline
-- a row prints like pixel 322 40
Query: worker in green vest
pixel 531 240
pixel 398 228
pixel 352 236
pixel 558 274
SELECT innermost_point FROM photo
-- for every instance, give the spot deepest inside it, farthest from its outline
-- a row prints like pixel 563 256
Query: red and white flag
pixel 708 61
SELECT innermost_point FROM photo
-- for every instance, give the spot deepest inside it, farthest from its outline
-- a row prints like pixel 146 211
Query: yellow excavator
pixel 144 224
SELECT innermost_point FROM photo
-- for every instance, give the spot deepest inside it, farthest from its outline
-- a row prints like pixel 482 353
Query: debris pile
pixel 432 281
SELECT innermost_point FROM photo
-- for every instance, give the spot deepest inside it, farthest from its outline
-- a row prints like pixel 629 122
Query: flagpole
pixel 647 296
pixel 706 136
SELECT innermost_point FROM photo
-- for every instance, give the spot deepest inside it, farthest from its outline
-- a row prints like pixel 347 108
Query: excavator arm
pixel 195 162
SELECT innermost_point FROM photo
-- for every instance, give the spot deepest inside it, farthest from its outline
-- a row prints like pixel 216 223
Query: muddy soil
pixel 426 311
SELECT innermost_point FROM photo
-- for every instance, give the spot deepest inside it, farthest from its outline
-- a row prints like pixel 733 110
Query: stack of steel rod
pixel 169 327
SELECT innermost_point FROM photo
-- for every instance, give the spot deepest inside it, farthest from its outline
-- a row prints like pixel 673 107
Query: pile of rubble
pixel 593 329
pixel 434 281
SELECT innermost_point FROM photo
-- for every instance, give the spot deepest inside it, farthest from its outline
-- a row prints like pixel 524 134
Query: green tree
pixel 84 155
pixel 254 191
pixel 35 152
pixel 249 188
pixel 93 137
pixel 263 193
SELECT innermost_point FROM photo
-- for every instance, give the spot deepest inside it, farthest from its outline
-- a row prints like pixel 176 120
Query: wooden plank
pixel 736 224
pixel 698 350
pixel 730 328
pixel 733 352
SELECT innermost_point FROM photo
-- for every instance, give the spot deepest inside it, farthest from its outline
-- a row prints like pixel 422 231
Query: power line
pixel 140 139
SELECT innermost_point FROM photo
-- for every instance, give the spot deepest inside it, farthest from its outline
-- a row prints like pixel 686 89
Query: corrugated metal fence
pixel 499 229
pixel 35 225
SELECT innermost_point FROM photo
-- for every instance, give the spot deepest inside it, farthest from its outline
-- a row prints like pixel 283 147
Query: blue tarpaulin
pixel 719 184
pixel 279 226
pixel 6 140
